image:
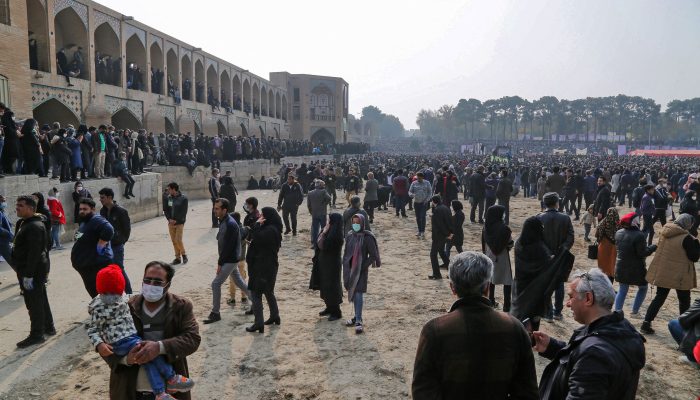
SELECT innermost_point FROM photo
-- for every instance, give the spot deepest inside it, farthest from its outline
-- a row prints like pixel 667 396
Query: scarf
pixel 608 226
pixel 496 234
pixel 355 243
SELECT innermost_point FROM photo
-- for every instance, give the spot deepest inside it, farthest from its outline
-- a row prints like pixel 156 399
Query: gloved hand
pixel 28 283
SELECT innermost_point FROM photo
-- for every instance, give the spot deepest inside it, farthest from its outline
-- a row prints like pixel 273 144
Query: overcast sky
pixel 405 55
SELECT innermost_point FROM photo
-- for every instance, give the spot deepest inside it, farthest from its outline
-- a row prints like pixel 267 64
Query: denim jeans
pixel 55 233
pixel 421 209
pixel 317 223
pixel 676 330
pixel 558 306
pixel 622 294
pixel 226 270
pixel 158 369
pixel 358 300
pixel 400 205
pixel 6 253
pixel 118 258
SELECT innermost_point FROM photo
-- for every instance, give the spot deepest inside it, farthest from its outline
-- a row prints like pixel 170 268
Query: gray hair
pixel 320 183
pixel 596 282
pixel 470 272
pixel 685 221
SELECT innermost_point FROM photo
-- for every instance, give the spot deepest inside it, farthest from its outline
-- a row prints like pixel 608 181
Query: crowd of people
pixel 601 360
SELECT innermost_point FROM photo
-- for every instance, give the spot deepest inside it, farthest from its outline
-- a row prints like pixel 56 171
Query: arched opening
pixel 226 92
pixel 173 74
pixel 52 111
pixel 322 136
pixel 236 98
pixel 199 81
pixel 221 128
pixel 246 97
pixel 187 85
pixel 107 56
pixel 278 106
pixel 72 41
pixel 263 101
pixel 213 87
pixel 197 129
pixel 256 100
pixel 262 131
pixel 124 119
pixel 156 69
pixel 169 127
pixel 284 107
pixel 135 63
pixel 244 130
pixel 277 132
pixel 37 26
pixel 270 103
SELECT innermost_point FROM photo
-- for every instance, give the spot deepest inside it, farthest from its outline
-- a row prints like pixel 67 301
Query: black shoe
pixel 287 231
pixel 434 277
pixel 335 317
pixel 645 328
pixel 31 341
pixel 249 312
pixel 324 313
pixel 50 331
pixel 444 266
pixel 254 328
pixel 184 259
pixel 176 261
pixel 213 317
pixel 275 321
pixel 294 233
pixel 126 196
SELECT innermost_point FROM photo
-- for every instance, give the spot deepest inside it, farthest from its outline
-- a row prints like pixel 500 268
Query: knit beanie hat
pixel 627 219
pixel 110 280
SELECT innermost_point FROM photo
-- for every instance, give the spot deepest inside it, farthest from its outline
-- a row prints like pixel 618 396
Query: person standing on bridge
pixel 175 211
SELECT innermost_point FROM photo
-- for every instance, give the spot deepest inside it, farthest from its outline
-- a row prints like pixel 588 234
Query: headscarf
pixel 355 245
pixel 685 221
pixel 608 226
pixel 334 237
pixel 533 231
pixel 496 233
pixel 272 218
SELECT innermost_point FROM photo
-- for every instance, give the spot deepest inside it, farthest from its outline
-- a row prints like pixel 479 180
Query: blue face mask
pixel 356 227
pixel 3 205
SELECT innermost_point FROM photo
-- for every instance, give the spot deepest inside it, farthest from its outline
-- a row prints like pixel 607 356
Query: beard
pixel 85 217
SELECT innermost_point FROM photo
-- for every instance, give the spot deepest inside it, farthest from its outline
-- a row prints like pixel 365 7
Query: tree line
pixel 509 117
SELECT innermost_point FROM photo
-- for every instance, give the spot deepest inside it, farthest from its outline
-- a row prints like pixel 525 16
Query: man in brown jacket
pixel 474 351
pixel 168 327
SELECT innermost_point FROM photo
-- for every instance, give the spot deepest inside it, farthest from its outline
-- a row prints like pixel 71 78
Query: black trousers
pixel 214 220
pixel 331 191
pixel 37 303
pixel 660 298
pixel 256 299
pixel 477 201
pixel 89 276
pixel 287 213
pixel 438 247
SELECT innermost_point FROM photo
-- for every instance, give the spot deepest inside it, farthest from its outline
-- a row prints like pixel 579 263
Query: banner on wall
pixel 621 149
pixel 581 152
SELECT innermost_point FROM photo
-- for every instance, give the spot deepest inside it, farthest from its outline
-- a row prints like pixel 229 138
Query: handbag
pixel 593 251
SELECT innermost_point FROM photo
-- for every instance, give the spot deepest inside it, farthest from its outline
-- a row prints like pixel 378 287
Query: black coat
pixel 325 275
pixel 602 360
pixel 477 185
pixel 602 200
pixel 261 258
pixel 118 217
pixel 632 251
pixel 29 254
pixel 228 192
pixel 441 223
pixel 290 197
pixel 558 231
pixel 690 322
pixel 533 273
pixel 10 148
pixel 457 228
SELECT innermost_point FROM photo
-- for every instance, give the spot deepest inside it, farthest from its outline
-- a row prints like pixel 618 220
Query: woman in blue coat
pixel 76 157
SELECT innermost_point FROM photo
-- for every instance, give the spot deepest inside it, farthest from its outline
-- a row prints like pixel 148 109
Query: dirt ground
pixel 306 357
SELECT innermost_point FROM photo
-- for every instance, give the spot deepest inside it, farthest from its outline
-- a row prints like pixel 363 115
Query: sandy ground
pixel 306 357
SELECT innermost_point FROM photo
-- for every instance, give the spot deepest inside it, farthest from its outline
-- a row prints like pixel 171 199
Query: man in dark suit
pixel 477 193
pixel 290 198
pixel 602 200
pixel 558 237
pixel 441 222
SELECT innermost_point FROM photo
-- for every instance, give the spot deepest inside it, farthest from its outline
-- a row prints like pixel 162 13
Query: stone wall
pixel 195 185
pixel 147 203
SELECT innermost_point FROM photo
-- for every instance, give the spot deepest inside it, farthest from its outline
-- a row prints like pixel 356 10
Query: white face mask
pixel 151 293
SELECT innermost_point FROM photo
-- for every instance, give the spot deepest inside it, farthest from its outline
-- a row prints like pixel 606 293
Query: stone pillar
pixel 147 72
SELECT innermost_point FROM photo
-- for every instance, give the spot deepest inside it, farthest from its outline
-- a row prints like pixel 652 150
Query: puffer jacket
pixel 110 319
pixel 601 361
pixel 632 251
pixel 673 266
pixel 690 322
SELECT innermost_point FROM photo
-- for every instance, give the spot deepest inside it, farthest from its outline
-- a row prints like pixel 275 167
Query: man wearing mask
pixel 420 192
pixel 168 327
pixel 91 250
pixel 290 198
pixel 118 217
pixel 175 211
pixel 30 260
pixel 441 223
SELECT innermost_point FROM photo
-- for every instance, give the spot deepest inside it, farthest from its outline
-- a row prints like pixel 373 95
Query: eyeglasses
pixel 154 281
